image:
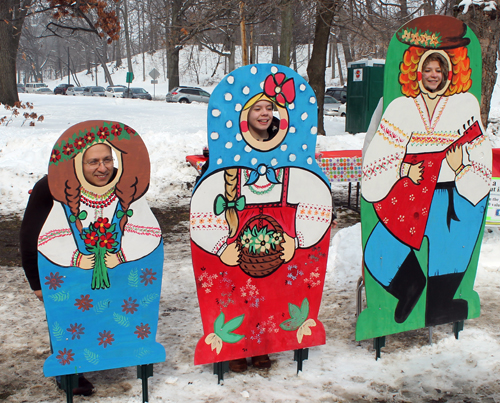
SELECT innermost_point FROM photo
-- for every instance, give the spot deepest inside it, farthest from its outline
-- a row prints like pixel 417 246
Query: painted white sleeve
pixel 208 231
pixel 56 240
pixel 314 206
pixel 385 154
pixel 142 232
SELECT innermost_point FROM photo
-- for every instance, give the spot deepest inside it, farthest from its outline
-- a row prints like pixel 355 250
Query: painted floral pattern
pixel 76 330
pixel 148 276
pixel 106 338
pixel 130 306
pixel 84 303
pixel 143 331
pixel 65 356
pixel 54 281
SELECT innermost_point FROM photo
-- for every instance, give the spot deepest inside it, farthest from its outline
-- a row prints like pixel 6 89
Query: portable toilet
pixel 365 86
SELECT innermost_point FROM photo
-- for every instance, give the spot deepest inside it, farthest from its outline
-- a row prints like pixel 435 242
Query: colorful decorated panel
pixel 426 181
pixel 341 166
pixel 260 218
pixel 100 252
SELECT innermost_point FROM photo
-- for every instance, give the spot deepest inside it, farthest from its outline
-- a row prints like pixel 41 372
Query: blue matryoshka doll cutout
pixel 100 256
pixel 426 180
pixel 260 221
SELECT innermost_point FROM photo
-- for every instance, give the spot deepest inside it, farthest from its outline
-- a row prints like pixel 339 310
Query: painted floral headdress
pixel 280 89
pixel 81 141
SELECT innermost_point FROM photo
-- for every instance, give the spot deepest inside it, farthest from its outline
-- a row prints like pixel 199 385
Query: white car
pixel 74 91
pixel 331 106
pixel 44 90
pixel 114 92
pixel 93 91
pixel 33 87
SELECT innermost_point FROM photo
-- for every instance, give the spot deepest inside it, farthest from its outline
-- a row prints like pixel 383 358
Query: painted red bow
pixel 280 90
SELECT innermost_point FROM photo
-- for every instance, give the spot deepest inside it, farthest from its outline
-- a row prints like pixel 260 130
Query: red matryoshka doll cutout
pixel 100 252
pixel 260 219
pixel 426 180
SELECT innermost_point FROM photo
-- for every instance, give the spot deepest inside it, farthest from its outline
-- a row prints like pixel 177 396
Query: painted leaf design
pixel 224 331
pixel 298 316
pixel 290 324
pixel 141 352
pixel 91 357
pixel 233 324
pixel 121 320
pixel 60 296
pixel 101 306
pixel 219 322
pixel 148 299
pixel 294 310
pixel 57 331
pixel 133 278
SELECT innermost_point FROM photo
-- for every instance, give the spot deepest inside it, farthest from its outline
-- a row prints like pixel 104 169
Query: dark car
pixel 21 88
pixel 62 88
pixel 187 95
pixel 136 93
pixel 339 93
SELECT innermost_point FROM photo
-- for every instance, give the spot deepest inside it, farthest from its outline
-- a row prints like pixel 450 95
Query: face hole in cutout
pixel 435 58
pixel 273 142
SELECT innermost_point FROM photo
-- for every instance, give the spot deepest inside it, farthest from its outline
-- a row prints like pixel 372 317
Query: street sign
pixel 154 74
pixel 130 77
pixel 154 81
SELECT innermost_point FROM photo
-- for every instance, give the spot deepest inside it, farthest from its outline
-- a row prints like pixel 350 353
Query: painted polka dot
pixel 302 87
pixel 229 145
pixel 237 157
pixel 312 100
pixel 304 116
pixel 291 106
pixel 274 162
pixel 253 70
pixel 215 113
pixel 274 69
pixel 214 135
pixel 304 147
pixel 230 80
pixel 254 161
pixel 292 157
pixel 238 107
pixel 246 90
pixel 228 96
pixel 238 137
pixel 219 161
pixel 248 148
pixel 283 147
pixel 229 124
pixel 292 129
pixel 314 130
pixel 309 160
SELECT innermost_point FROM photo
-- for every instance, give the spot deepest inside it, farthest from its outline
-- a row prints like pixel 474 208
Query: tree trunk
pixel 117 46
pixel 244 47
pixel 127 37
pixel 317 65
pixel 173 45
pixel 274 38
pixel 487 29
pixel 286 32
pixel 12 15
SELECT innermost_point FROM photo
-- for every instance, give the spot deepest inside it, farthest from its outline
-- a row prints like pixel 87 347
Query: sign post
pixel 154 74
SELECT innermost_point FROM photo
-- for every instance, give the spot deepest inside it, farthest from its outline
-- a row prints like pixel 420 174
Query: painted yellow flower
pixel 262 243
pixel 247 239
pixel 216 342
pixel 304 329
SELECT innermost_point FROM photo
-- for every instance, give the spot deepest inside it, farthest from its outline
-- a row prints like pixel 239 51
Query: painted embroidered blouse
pixel 406 129
pixel 141 236
pixel 308 193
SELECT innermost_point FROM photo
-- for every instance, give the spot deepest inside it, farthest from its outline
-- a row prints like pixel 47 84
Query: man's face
pixel 98 165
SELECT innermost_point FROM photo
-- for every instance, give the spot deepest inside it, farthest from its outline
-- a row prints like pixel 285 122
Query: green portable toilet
pixel 365 86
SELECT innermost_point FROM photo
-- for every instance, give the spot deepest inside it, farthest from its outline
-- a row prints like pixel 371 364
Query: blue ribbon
pixel 262 170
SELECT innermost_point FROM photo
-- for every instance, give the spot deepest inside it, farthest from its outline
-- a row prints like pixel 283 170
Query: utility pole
pixel 244 50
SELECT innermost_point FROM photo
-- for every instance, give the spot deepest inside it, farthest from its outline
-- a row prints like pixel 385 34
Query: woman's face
pixel 260 118
pixel 432 76
pixel 98 165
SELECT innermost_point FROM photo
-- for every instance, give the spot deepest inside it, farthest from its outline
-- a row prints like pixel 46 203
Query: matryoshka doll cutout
pixel 100 252
pixel 426 180
pixel 260 221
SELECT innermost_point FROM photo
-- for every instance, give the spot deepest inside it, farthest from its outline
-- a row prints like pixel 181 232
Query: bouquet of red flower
pixel 99 238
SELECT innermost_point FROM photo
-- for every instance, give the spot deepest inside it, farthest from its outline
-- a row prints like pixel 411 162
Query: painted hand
pixel 454 158
pixel 288 247
pixel 111 260
pixel 416 173
pixel 87 262
pixel 231 255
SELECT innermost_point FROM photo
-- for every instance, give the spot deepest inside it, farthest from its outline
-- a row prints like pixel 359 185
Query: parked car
pixel 44 90
pixel 343 110
pixel 339 93
pixel 20 88
pixel 33 87
pixel 187 95
pixel 93 91
pixel 74 91
pixel 114 91
pixel 136 93
pixel 331 106
pixel 62 89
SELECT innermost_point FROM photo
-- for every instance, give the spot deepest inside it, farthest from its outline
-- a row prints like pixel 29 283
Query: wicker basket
pixel 260 264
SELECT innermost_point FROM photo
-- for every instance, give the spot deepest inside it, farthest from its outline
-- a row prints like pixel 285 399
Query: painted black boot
pixel 441 307
pixel 407 286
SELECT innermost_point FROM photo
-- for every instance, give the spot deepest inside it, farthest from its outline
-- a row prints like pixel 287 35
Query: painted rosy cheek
pixel 244 126
pixel 283 124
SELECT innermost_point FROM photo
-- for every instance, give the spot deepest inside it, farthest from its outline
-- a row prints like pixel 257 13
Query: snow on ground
pixel 410 369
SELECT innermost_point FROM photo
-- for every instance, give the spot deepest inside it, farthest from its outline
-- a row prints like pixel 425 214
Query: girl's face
pixel 260 118
pixel 432 76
